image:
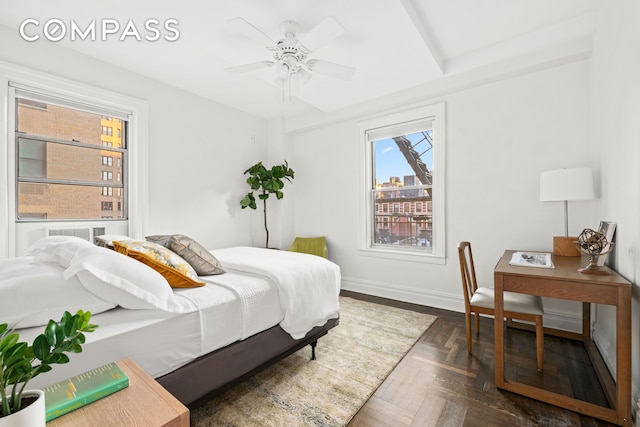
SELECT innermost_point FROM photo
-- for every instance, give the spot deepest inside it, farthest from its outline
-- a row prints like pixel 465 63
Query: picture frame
pixel 607 228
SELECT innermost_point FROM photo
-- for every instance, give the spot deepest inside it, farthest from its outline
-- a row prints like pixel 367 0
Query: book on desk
pixel 78 391
pixel 532 259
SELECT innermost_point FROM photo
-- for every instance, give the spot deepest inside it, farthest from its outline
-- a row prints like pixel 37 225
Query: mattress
pixel 160 342
pixel 160 328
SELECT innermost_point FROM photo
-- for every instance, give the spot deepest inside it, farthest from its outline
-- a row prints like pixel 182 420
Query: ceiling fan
pixel 290 54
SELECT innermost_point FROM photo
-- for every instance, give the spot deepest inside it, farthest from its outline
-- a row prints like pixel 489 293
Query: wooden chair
pixel 310 245
pixel 480 300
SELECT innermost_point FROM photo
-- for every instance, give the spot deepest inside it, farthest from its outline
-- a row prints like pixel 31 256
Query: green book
pixel 75 392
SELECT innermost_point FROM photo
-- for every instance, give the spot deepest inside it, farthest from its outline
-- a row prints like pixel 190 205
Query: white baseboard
pixel 635 406
pixel 607 350
pixel 446 301
pixel 406 294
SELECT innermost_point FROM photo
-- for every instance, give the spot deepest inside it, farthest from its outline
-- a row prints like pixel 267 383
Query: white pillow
pixel 47 242
pixel 32 294
pixel 126 282
pixel 63 250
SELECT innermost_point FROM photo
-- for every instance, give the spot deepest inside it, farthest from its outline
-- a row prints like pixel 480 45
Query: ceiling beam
pixel 423 30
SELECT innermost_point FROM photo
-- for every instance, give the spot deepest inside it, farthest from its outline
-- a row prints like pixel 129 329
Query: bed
pixel 197 339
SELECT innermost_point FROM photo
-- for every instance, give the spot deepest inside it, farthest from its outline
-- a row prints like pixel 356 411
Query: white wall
pixel 615 132
pixel 198 149
pixel 500 136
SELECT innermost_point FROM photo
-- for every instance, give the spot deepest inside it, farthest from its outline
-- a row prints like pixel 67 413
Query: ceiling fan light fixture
pixel 292 68
pixel 283 70
pixel 303 76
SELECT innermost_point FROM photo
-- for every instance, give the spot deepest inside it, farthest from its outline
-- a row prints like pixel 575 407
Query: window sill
pixel 403 255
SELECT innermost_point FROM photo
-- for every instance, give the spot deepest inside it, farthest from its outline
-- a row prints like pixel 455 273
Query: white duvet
pixel 308 285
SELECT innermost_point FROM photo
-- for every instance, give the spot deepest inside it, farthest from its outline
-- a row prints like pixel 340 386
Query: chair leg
pixel 477 323
pixel 468 324
pixel 539 343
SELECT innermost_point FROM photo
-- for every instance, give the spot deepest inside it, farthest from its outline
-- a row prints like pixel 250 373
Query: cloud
pixel 386 150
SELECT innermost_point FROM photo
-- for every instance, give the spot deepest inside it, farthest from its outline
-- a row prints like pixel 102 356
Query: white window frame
pixel 137 164
pixel 436 114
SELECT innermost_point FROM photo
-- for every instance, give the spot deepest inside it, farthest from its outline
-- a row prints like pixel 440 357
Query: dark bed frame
pixel 212 374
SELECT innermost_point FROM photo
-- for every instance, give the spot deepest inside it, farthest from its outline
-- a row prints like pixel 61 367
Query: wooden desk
pixel 565 282
pixel 143 403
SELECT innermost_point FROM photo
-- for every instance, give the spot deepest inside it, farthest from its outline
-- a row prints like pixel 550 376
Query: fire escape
pixel 406 230
pixel 413 156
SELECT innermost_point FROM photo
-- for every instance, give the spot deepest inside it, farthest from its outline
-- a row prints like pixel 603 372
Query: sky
pixel 389 161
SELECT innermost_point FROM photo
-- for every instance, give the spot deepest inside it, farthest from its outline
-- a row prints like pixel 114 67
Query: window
pixel 31 158
pixel 35 203
pixel 60 153
pixel 403 172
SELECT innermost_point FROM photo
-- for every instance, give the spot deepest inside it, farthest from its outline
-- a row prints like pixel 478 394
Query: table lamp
pixel 564 185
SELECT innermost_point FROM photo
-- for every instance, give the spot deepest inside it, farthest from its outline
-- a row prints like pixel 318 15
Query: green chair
pixel 310 245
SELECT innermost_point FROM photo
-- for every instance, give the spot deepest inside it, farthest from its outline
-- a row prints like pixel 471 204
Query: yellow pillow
pixel 176 270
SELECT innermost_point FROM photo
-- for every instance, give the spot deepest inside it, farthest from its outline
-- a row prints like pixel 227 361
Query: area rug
pixel 352 361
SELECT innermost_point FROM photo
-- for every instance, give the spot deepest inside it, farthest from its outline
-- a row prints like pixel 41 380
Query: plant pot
pixel 33 415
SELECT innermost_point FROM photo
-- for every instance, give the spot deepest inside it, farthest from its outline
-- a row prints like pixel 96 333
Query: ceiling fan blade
pixel 251 31
pixel 326 31
pixel 331 69
pixel 239 69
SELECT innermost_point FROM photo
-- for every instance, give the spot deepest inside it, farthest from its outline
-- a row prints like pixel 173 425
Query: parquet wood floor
pixel 438 383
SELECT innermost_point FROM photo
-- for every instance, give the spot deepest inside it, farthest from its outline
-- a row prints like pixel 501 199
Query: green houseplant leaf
pixel 266 182
pixel 20 363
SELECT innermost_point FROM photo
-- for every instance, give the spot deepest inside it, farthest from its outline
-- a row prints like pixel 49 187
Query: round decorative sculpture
pixel 594 244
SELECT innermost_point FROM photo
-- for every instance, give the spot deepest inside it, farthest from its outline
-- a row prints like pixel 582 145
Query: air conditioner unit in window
pixel 85 233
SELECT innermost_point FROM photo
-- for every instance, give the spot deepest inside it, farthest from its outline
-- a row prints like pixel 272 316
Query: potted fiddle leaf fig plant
pixel 266 182
pixel 20 363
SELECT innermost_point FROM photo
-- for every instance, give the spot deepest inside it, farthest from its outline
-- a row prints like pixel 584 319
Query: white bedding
pixel 308 285
pixel 161 342
pixel 262 288
pixel 254 307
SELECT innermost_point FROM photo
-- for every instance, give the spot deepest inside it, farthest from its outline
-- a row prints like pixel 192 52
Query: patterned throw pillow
pixel 202 261
pixel 176 270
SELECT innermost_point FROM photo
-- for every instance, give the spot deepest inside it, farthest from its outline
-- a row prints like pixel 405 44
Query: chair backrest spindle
pixel 467 271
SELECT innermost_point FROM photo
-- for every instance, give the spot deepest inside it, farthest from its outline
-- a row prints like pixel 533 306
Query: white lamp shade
pixel 566 184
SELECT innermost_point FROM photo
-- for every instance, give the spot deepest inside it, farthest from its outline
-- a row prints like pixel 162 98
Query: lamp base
pixel 565 246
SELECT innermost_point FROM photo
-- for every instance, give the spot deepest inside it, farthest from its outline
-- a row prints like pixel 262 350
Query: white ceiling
pixel 395 45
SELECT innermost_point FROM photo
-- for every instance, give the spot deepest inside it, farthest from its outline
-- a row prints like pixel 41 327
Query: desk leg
pixel 499 329
pixel 586 320
pixel 623 344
